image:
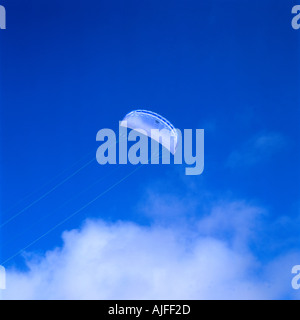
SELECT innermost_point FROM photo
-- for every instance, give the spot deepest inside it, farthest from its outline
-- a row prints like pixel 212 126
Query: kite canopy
pixel 154 126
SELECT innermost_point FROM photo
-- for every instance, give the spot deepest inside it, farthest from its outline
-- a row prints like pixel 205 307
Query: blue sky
pixel 69 69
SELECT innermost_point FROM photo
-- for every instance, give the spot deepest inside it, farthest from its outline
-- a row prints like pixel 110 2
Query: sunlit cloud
pixel 123 260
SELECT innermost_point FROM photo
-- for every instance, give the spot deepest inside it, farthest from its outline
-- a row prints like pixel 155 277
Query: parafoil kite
pixel 154 126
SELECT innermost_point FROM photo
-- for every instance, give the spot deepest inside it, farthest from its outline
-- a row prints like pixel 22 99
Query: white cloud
pixel 234 221
pixel 126 261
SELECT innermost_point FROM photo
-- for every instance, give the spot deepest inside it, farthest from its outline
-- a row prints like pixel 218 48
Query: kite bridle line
pixel 73 214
